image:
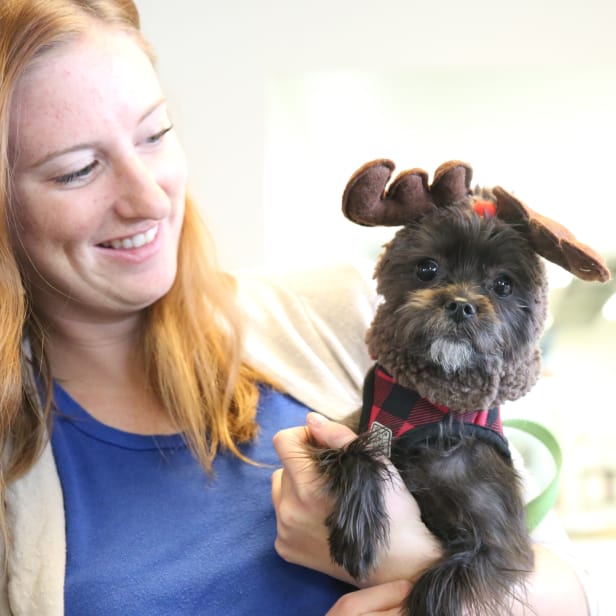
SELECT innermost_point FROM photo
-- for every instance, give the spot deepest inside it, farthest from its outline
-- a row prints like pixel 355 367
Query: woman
pixel 136 426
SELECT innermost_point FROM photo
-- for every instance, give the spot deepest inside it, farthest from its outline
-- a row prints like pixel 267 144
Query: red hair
pixel 192 337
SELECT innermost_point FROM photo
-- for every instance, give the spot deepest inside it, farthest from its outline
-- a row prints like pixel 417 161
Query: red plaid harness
pixel 393 411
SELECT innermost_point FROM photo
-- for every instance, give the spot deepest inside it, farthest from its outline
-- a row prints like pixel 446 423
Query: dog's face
pixel 463 295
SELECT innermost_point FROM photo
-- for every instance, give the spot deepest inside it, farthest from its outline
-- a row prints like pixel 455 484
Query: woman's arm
pixel 301 507
pixel 380 600
pixel 553 589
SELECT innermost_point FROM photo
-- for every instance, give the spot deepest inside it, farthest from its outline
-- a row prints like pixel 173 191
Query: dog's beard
pixel 451 355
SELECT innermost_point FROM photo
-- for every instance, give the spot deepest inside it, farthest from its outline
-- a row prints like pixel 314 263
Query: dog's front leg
pixel 355 478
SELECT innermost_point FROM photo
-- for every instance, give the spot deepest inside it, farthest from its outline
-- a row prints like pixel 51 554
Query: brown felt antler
pixel 551 240
pixel 366 201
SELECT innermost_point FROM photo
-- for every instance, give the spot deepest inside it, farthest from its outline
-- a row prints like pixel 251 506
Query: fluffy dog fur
pixel 464 304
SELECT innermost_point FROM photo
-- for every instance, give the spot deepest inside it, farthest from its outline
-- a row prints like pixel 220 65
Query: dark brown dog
pixel 464 303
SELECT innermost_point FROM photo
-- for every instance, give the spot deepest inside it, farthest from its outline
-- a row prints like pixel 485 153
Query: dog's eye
pixel 427 270
pixel 503 285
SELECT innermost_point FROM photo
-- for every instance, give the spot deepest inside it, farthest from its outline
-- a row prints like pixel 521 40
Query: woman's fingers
pixel 289 445
pixel 276 487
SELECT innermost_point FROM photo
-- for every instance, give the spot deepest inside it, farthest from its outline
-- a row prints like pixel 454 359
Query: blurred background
pixel 278 102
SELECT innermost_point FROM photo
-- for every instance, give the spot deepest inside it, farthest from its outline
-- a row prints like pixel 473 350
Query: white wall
pixel 277 102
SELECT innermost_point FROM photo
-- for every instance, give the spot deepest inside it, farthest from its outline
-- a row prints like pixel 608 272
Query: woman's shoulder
pixel 306 329
pixel 329 290
pixel 36 559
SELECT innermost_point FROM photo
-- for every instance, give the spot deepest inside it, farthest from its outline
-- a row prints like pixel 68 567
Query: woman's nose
pixel 139 195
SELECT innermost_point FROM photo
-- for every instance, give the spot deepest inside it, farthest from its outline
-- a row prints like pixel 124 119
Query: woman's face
pixel 98 179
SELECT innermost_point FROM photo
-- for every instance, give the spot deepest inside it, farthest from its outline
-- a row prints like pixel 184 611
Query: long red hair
pixel 192 337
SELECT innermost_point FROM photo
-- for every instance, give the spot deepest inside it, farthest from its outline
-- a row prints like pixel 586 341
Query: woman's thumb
pixel 329 433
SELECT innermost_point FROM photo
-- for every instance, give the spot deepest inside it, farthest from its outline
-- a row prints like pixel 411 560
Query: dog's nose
pixel 460 309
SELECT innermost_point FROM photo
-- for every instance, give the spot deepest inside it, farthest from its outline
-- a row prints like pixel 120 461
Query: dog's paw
pixel 358 524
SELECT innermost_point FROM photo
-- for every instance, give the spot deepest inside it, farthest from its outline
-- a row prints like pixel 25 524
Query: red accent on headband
pixel 487 209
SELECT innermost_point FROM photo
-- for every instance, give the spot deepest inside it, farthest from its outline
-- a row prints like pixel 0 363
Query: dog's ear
pixel 550 239
pixel 367 202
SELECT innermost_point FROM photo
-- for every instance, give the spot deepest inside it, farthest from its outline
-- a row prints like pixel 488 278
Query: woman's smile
pixel 136 241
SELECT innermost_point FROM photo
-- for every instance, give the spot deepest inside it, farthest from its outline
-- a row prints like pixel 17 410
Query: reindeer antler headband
pixel 366 201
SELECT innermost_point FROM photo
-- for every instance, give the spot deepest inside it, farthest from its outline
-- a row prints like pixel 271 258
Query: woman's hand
pixel 301 508
pixel 382 600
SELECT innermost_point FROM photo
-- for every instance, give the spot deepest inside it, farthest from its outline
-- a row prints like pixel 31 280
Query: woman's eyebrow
pixel 153 108
pixel 61 152
pixel 91 144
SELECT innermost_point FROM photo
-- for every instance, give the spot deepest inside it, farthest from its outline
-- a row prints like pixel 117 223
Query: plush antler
pixel 366 201
pixel 551 240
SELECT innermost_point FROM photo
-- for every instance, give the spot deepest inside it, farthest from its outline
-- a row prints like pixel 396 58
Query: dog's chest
pixel 394 412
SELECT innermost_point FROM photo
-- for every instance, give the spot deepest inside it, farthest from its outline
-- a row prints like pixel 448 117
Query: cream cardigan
pixel 306 330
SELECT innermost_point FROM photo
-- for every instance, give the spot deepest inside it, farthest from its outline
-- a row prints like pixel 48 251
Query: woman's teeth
pixel 136 241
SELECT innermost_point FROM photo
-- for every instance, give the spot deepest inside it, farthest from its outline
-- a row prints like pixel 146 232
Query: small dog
pixel 464 304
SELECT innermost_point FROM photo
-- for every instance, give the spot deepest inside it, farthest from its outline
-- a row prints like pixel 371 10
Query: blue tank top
pixel 149 533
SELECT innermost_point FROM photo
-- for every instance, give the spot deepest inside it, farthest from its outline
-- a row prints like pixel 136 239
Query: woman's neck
pixel 77 348
pixel 101 366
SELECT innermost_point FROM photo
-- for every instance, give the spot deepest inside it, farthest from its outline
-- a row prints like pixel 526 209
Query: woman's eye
pixel 80 174
pixel 427 270
pixel 159 135
pixel 503 285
